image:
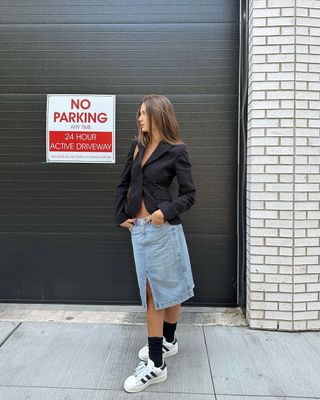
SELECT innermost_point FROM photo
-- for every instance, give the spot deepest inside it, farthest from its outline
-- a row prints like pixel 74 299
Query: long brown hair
pixel 161 114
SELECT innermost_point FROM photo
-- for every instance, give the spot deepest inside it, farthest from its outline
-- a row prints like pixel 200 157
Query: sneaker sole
pixel 155 380
pixel 164 355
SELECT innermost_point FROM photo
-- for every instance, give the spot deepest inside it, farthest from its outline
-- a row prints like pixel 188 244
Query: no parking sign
pixel 81 128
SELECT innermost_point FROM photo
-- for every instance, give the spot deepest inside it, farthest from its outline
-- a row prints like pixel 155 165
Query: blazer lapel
pixel 159 150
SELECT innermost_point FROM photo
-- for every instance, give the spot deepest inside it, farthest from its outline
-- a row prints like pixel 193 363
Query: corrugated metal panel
pixel 58 237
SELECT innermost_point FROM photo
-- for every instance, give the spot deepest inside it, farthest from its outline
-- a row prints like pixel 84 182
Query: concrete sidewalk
pixel 73 352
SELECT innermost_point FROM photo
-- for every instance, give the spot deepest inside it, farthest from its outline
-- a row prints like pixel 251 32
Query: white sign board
pixel 81 128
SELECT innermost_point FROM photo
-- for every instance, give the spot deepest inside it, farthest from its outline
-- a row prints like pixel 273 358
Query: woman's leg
pixel 155 320
pixel 155 317
pixel 171 314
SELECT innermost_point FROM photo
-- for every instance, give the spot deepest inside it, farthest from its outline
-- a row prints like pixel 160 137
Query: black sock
pixel 155 349
pixel 168 331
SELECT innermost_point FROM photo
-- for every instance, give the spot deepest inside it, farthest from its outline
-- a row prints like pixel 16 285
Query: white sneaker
pixel 145 375
pixel 168 349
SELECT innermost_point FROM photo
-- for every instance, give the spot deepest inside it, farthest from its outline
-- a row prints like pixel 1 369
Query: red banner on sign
pixel 80 141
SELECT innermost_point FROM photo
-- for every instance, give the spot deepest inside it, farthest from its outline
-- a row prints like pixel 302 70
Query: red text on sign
pixel 80 141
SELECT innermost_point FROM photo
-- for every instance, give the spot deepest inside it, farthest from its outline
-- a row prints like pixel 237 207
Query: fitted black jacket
pixel 152 181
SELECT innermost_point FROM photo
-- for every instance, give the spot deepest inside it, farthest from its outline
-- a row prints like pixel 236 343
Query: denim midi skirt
pixel 161 256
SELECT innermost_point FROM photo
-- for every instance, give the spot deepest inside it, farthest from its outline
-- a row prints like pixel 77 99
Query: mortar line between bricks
pixel 205 343
pixel 11 333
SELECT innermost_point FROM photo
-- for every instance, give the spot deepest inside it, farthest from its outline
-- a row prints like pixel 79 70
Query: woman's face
pixel 143 118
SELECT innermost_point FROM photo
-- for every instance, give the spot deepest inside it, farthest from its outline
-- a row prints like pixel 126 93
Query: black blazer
pixel 153 181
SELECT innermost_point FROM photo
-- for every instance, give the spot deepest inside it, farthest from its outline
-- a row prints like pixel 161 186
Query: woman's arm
pixel 187 190
pixel 122 187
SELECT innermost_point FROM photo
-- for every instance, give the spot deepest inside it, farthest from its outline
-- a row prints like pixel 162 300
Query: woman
pixel 159 246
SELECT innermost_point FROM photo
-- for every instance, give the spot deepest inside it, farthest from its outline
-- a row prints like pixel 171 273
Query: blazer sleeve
pixel 187 190
pixel 122 187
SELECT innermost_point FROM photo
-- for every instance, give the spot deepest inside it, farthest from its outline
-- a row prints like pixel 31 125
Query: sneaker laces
pixel 141 370
pixel 140 367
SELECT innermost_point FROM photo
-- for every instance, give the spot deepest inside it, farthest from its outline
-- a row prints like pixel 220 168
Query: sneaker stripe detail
pixel 166 348
pixel 154 375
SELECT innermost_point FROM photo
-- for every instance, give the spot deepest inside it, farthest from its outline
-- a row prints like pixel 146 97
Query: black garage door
pixel 59 242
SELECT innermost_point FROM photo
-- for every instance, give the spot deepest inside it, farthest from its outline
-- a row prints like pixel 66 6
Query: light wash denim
pixel 161 256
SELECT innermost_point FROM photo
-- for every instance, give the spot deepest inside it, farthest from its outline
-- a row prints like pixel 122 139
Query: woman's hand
pixel 128 223
pixel 157 217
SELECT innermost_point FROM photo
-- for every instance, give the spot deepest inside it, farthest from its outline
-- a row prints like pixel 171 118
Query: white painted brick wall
pixel 283 165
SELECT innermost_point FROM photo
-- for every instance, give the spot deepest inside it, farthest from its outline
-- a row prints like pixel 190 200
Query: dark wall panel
pixel 59 242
